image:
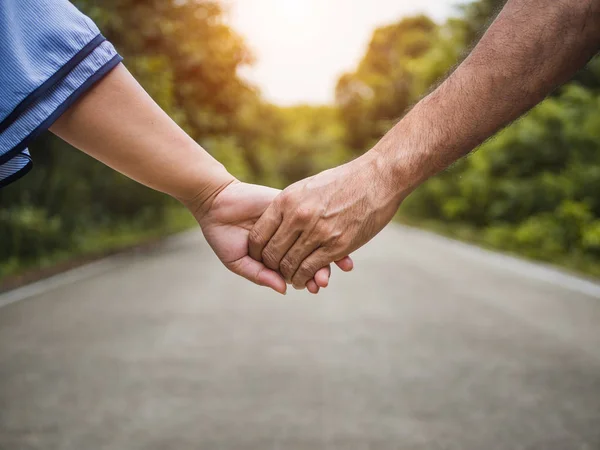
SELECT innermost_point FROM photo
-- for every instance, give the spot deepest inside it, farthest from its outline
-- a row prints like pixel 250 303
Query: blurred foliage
pixel 532 190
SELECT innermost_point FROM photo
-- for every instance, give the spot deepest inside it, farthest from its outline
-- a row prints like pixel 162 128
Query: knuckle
pixel 287 268
pixel 269 258
pixel 284 199
pixel 299 280
pixel 255 237
pixel 298 286
pixel 302 215
pixel 307 270
pixel 306 213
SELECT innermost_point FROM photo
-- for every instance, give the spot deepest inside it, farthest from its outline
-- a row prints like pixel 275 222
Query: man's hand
pixel 323 218
pixel 226 224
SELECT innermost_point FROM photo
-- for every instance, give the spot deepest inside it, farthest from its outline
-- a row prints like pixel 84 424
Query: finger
pixel 258 273
pixel 301 249
pixel 264 228
pixel 312 287
pixel 310 265
pixel 279 245
pixel 322 277
pixel 346 264
pixel 320 280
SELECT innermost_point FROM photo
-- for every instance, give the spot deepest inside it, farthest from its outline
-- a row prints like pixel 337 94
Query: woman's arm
pixel 118 123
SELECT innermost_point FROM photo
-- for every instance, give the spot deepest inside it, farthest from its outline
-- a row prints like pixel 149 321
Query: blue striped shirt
pixel 51 54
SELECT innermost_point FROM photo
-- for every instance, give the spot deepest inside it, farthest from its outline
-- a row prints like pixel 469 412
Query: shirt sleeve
pixel 51 54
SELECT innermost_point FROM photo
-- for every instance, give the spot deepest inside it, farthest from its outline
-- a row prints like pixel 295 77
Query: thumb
pixel 258 273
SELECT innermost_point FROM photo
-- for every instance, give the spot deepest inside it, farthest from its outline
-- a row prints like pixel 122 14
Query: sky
pixel 303 46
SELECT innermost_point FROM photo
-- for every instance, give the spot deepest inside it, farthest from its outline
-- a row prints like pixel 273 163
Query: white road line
pixel 521 267
pixel 79 273
pixel 56 281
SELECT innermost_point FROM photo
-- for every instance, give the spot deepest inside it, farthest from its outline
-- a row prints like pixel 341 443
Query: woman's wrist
pixel 206 188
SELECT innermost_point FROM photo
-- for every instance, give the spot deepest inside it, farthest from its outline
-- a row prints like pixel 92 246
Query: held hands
pixel 273 238
pixel 323 218
pixel 226 224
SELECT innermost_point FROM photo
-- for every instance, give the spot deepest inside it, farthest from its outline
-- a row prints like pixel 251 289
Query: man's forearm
pixel 119 124
pixel 531 48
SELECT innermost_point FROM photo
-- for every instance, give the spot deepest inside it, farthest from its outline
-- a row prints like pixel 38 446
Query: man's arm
pixel 532 47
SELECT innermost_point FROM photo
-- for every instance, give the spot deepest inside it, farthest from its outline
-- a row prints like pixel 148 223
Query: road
pixel 429 344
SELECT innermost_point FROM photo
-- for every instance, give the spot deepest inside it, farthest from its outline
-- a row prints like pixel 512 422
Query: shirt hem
pixel 50 82
pixel 17 175
pixel 87 84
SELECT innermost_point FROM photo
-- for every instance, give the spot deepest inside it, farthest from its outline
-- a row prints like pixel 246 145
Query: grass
pixel 93 245
pixel 574 263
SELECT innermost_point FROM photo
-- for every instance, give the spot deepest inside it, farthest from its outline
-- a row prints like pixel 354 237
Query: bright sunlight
pixel 302 46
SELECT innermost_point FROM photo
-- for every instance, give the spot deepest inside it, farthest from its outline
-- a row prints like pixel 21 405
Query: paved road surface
pixel 428 345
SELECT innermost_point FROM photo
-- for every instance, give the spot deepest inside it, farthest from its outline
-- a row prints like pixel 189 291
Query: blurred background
pixel 278 90
pixel 429 344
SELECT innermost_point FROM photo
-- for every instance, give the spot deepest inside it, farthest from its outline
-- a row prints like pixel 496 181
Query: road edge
pixel 536 270
pixel 80 273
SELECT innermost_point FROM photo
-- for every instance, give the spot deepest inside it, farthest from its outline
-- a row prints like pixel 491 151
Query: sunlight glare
pixel 292 12
pixel 303 46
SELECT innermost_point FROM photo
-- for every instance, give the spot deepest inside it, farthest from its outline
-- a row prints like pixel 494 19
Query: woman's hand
pixel 226 224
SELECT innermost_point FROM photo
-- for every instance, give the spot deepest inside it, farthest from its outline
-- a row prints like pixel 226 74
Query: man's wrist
pixel 397 168
pixel 413 150
pixel 387 190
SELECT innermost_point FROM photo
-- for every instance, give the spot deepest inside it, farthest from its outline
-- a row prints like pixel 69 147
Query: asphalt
pixel 428 345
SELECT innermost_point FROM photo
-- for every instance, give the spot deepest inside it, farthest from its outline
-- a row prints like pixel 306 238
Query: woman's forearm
pixel 118 123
